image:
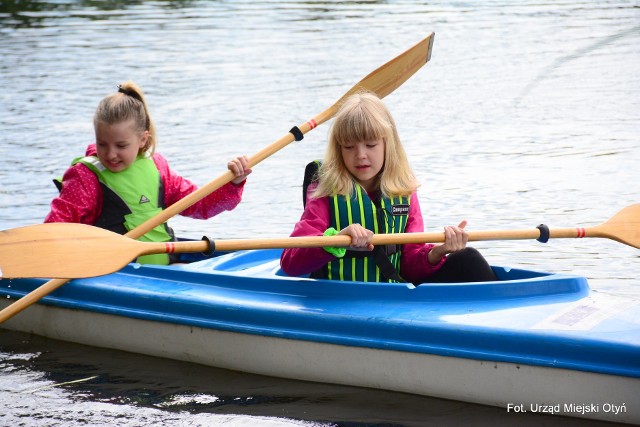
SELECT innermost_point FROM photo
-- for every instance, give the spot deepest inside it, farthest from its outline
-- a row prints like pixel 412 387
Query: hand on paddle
pixel 240 168
pixel 455 239
pixel 360 237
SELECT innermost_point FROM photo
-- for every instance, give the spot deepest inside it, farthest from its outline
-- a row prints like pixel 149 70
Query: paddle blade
pixel 384 79
pixel 623 227
pixel 394 73
pixel 62 250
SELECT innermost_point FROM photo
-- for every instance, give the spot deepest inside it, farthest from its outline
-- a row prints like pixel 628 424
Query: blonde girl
pixel 365 186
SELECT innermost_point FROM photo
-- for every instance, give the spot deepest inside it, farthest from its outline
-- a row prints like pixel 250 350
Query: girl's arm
pixel 80 200
pixel 176 187
pixel 415 266
pixel 314 222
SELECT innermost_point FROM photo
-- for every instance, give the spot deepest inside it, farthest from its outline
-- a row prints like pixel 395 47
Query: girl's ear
pixel 144 141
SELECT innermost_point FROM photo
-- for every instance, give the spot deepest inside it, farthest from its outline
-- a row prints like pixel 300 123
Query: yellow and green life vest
pixel 389 215
pixel 131 197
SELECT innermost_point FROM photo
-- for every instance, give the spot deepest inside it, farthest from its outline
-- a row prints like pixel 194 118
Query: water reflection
pixel 601 43
pixel 25 7
pixel 97 385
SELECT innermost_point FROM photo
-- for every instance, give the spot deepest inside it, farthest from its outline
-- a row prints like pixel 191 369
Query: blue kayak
pixel 529 342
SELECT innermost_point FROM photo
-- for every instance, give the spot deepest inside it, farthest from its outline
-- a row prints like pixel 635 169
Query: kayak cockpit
pixel 262 266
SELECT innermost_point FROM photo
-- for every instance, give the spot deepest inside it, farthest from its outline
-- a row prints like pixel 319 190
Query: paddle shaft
pixel 79 250
pixel 381 81
pixel 225 178
pixel 345 241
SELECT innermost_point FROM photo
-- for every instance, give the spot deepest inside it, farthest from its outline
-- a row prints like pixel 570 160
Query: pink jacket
pixel 315 220
pixel 81 198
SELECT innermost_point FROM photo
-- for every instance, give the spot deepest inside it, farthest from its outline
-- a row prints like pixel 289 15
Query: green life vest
pixel 390 215
pixel 132 198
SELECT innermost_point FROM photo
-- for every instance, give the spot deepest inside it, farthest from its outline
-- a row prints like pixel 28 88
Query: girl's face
pixel 364 160
pixel 118 144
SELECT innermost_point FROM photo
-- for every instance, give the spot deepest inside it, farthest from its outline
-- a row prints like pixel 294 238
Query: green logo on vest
pixel 144 199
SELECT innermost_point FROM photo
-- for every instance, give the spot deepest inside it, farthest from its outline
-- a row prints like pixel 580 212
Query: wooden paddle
pixel 76 250
pixel 381 81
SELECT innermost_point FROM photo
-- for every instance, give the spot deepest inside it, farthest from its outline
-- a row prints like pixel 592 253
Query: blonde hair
pixel 363 117
pixel 128 104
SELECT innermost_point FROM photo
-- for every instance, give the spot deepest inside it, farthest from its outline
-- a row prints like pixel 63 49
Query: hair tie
pixel 130 93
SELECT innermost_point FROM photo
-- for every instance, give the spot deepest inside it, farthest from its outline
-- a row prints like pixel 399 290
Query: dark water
pixel 528 113
pixel 68 384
